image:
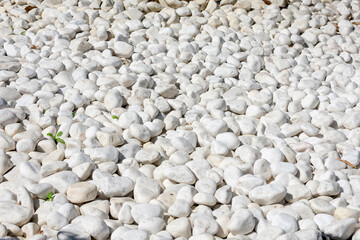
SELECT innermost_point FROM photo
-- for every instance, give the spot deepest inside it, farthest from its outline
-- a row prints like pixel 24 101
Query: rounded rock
pixel 81 192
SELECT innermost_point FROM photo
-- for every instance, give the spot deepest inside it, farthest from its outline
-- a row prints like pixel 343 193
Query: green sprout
pixel 115 117
pixel 44 111
pixel 50 197
pixel 73 114
pixel 22 33
pixel 57 137
pixel 11 27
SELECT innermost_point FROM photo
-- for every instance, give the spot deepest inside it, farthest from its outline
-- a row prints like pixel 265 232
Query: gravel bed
pixel 186 120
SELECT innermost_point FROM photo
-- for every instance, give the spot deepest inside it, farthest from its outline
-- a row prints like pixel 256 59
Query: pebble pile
pixel 170 119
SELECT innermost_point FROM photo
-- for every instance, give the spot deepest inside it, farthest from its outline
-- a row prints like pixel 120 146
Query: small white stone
pixel 128 118
pixel 81 192
pixel 216 126
pixel 352 156
pixel 180 208
pixel 226 71
pixel 231 141
pixel 341 229
pixel 343 213
pixel 64 79
pixel 328 188
pixel 109 139
pixel 3 231
pixel 115 186
pixel 167 90
pixel 321 206
pixel 223 195
pixel 248 154
pixel 123 49
pixel 248 182
pixel 105 154
pixel 56 220
pixel 205 224
pixel 297 192
pixel 180 227
pixel 219 148
pixel 30 170
pixel 147 156
pixel 61 180
pixel 241 222
pixel 113 99
pixel 262 168
pixel 7 117
pixel 146 189
pixel 202 198
pixel 180 174
pixel 146 211
pixel 206 185
pixel 283 167
pixel 95 227
pixel 152 225
pixel 140 132
pixel 285 221
pixel 268 194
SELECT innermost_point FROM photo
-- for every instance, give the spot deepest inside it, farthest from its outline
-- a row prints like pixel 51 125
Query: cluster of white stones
pixel 171 119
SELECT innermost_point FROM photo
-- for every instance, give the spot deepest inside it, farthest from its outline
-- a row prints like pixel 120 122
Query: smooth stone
pixel 56 220
pixel 115 186
pixel 341 229
pixel 180 227
pixel 14 213
pixel 95 227
pixel 285 222
pixel 180 174
pixel 147 156
pixel 140 132
pixel 61 180
pixel 104 154
pixel 268 194
pixel 146 189
pixel 123 49
pixel 146 211
pixel 241 222
pixel 81 192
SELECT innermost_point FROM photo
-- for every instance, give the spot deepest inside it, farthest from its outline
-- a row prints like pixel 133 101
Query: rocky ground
pixel 169 119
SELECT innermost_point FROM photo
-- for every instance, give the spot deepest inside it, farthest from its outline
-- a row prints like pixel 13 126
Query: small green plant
pixel 115 117
pixel 12 28
pixel 57 137
pixel 50 197
pixel 23 33
pixel 73 114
